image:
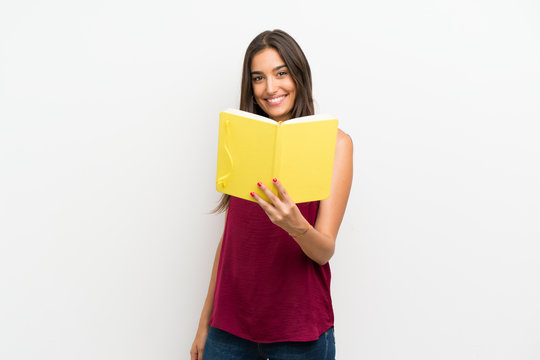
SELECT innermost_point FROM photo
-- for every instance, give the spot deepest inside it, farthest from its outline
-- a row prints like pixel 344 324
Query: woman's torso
pixel 267 289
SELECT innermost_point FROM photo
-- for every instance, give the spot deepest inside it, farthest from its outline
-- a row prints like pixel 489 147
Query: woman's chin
pixel 277 115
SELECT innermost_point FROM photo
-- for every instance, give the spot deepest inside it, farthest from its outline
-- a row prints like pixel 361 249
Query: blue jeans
pixel 221 345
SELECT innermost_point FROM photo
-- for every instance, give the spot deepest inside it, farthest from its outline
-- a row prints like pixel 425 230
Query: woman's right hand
pixel 197 349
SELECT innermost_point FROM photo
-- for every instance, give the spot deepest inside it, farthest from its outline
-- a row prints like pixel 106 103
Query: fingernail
pixel 259 183
pixel 252 194
pixel 274 180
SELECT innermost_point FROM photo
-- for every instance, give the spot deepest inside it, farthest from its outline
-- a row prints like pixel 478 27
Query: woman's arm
pixel 318 243
pixel 197 348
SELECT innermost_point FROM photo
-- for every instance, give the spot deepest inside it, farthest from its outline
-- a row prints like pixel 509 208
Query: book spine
pixel 221 181
pixel 278 151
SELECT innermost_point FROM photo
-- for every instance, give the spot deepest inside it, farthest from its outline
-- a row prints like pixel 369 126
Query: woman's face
pixel 273 86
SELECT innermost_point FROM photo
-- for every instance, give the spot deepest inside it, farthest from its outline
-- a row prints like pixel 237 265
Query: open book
pixel 299 152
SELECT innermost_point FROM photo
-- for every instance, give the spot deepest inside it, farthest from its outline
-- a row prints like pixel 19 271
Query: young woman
pixel 269 295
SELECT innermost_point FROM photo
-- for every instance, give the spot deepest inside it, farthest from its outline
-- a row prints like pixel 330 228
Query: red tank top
pixel 267 289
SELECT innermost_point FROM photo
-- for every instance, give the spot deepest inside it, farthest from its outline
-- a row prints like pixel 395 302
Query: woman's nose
pixel 270 86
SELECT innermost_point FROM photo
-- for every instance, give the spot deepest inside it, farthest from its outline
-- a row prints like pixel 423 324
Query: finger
pixel 267 207
pixel 269 194
pixel 283 194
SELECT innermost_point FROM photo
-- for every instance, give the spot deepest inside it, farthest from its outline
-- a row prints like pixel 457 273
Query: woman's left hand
pixel 282 211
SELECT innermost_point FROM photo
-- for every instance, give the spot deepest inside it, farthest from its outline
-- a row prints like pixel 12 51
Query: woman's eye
pixel 257 78
pixel 282 73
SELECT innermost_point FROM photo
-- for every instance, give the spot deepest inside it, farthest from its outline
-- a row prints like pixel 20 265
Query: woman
pixel 269 295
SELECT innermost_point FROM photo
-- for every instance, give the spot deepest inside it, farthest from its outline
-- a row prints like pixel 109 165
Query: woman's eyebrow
pixel 274 69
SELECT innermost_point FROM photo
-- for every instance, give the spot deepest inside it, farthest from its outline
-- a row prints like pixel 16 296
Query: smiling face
pixel 273 87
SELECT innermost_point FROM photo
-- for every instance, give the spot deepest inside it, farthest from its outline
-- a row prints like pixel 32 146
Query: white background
pixel 108 135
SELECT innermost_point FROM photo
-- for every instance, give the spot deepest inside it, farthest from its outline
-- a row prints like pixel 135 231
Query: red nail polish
pixel 259 183
pixel 274 180
pixel 252 194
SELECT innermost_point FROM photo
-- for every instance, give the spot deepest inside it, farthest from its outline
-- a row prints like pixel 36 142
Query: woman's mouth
pixel 276 100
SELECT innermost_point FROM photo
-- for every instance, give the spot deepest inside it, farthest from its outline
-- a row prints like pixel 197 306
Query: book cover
pixel 299 152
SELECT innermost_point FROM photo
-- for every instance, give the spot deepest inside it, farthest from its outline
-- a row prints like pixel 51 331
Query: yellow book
pixel 299 152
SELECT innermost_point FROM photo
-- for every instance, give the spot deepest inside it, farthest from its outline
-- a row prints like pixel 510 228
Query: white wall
pixel 108 115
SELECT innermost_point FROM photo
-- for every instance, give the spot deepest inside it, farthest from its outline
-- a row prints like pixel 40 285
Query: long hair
pixel 299 69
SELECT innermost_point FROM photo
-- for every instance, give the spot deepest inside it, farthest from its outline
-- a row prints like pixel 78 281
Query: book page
pixel 308 156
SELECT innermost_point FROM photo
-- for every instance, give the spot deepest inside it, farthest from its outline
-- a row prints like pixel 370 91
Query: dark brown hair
pixel 299 69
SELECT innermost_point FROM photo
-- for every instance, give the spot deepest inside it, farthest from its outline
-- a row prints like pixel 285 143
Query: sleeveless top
pixel 267 290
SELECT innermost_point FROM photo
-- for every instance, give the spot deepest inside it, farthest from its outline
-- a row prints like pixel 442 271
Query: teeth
pixel 276 100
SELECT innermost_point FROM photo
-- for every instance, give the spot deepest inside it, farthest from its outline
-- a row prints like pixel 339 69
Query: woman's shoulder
pixel 343 139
